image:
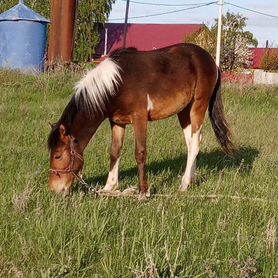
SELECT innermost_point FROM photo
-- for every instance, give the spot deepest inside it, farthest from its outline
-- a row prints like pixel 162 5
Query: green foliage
pixel 270 60
pixel 233 26
pixel 224 226
pixel 90 14
pixel 205 37
pixel 235 41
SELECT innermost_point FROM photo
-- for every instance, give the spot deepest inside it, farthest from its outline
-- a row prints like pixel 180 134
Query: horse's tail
pixel 219 124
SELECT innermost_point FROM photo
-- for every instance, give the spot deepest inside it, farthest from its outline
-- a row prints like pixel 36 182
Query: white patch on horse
pixel 98 85
pixel 150 105
pixel 192 141
pixel 112 182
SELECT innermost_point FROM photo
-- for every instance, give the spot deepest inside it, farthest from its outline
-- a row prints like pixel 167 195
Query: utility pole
pixel 125 25
pixel 105 41
pixel 219 29
pixel 61 39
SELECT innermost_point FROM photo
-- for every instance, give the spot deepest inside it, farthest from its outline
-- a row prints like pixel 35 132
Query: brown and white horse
pixel 134 87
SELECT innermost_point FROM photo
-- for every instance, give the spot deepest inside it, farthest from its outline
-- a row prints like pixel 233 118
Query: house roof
pixel 258 54
pixel 145 36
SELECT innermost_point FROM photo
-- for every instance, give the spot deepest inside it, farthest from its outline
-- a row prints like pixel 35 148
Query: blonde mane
pixel 95 89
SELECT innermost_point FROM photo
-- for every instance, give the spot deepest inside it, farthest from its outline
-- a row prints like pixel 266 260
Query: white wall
pixel 263 77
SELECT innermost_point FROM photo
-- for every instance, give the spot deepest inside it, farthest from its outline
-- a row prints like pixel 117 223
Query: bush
pixel 205 38
pixel 269 60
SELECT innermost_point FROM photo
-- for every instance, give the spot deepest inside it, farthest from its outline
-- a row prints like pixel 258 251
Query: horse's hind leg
pixel 118 134
pixel 191 120
pixel 184 119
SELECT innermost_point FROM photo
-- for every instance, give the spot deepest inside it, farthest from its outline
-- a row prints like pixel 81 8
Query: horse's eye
pixel 75 141
pixel 58 156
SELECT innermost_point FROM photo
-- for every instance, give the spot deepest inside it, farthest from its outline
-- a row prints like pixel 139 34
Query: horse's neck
pixel 83 129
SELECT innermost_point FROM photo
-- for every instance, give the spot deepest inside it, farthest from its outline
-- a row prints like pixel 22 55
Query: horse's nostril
pixel 64 191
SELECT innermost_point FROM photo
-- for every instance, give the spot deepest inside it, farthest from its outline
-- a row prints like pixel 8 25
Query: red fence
pixel 240 78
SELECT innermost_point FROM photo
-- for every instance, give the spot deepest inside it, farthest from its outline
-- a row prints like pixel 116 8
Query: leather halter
pixel 73 155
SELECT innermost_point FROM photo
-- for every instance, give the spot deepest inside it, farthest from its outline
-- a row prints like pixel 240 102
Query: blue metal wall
pixel 22 45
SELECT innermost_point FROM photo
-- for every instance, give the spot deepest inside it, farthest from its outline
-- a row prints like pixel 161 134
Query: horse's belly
pixel 165 107
pixel 158 105
pixel 162 114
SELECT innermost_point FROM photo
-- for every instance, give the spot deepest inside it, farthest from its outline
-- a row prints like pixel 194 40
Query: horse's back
pixel 162 81
pixel 183 56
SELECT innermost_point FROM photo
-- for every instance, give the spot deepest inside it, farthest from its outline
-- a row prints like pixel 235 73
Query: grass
pixel 224 226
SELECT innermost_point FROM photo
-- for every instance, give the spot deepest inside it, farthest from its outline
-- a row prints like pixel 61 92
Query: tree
pixel 235 52
pixel 235 42
pixel 205 38
pixel 90 13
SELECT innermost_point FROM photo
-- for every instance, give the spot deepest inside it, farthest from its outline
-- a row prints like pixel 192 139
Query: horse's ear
pixel 63 134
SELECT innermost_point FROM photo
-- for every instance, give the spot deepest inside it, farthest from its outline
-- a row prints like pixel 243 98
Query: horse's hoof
pixel 183 188
pixel 144 196
pixel 111 187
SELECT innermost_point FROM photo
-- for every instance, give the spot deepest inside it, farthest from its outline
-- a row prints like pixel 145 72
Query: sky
pixel 262 26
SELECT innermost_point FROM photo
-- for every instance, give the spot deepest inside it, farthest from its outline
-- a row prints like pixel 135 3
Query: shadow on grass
pixel 215 161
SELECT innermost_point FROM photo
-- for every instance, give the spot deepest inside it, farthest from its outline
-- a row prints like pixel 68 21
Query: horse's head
pixel 66 161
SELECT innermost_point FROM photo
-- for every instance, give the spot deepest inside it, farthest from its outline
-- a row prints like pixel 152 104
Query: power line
pixel 166 5
pixel 247 9
pixel 169 12
pixel 195 6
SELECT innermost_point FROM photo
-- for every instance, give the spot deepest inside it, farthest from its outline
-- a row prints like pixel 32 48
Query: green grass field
pixel 224 226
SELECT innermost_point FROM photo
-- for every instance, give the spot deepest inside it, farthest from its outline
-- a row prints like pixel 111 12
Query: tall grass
pixel 224 226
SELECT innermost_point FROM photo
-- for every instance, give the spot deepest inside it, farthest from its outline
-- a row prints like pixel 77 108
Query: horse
pixel 135 87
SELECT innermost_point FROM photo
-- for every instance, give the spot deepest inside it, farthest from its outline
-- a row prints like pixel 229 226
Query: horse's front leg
pixel 118 134
pixel 140 132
